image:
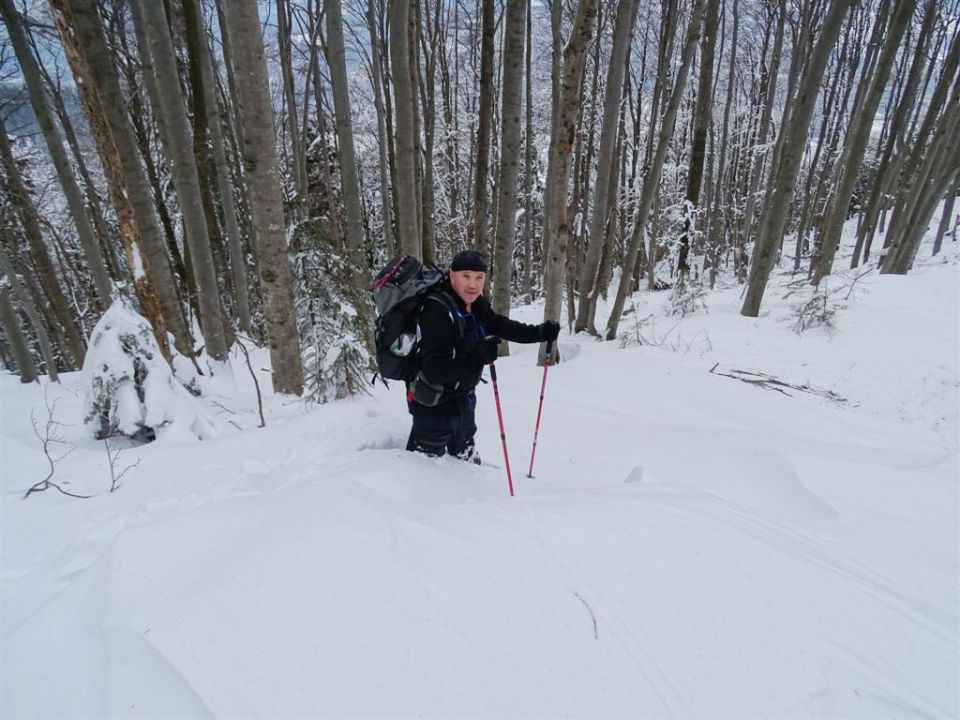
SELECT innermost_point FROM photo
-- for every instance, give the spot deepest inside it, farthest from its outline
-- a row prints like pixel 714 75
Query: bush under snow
pixel 129 388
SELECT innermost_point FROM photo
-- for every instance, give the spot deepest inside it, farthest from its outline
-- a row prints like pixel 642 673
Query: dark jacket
pixel 449 349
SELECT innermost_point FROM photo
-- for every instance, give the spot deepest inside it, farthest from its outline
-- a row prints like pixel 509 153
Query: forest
pixel 236 171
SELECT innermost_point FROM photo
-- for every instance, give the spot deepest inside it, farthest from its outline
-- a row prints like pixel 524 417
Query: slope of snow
pixel 691 545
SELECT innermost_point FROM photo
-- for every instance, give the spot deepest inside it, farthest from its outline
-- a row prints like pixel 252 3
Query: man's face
pixel 468 284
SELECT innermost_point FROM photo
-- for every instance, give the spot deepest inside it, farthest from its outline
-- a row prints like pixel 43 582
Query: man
pixel 458 333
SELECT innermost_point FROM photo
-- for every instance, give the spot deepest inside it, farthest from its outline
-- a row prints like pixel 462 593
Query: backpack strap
pixel 442 297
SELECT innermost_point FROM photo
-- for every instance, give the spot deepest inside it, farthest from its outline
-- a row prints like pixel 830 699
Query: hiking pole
pixel 543 385
pixel 503 435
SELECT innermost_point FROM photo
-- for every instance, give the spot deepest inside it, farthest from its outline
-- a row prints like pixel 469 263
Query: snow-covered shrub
pixel 686 297
pixel 333 318
pixel 128 386
pixel 819 311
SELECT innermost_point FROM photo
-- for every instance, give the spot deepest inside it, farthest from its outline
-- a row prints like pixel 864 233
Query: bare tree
pixel 30 221
pixel 787 163
pixel 263 181
pixel 376 72
pixel 855 148
pixel 606 166
pixel 651 182
pixel 82 35
pixel 506 214
pixel 179 148
pixel 225 185
pixel 407 226
pixel 299 162
pixel 477 233
pixel 11 327
pixel 44 115
pixel 566 112
pixel 349 183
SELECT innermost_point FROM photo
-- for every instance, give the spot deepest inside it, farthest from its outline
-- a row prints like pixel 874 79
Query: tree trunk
pixel 714 246
pixel 856 145
pixel 349 183
pixel 564 128
pixel 413 60
pixel 225 185
pixel 514 31
pixel 286 68
pixel 179 148
pixel 266 198
pixel 17 192
pixel 622 38
pixel 528 163
pixel 760 155
pixel 26 304
pixel 924 188
pixel 784 175
pixel 946 217
pixel 11 325
pixel 384 169
pixel 82 35
pixel 477 235
pixel 58 154
pixel 407 227
pixel 651 182
pixel 701 124
pixel 103 233
pixel 196 51
pixel 428 95
pixel 898 162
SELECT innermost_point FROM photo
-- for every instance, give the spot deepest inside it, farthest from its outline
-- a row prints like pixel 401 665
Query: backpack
pixel 399 291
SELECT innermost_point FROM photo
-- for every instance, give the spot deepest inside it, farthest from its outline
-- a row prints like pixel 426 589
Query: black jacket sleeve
pixel 504 327
pixel 438 344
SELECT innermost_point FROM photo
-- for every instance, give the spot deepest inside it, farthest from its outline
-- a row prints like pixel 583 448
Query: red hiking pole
pixel 503 435
pixel 543 385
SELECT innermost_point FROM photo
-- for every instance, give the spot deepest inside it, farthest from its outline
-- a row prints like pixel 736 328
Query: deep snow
pixel 691 545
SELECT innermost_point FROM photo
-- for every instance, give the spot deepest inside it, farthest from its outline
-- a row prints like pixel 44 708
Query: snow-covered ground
pixel 692 544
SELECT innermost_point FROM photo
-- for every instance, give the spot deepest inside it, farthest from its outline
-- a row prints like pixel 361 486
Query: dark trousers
pixel 445 428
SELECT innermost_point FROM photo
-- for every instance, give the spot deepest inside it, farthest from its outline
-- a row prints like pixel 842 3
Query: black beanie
pixel 469 260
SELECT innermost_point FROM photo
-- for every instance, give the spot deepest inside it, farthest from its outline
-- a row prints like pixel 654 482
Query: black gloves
pixel 549 330
pixel 486 351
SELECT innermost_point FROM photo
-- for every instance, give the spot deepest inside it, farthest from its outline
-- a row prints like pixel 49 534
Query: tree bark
pixel 179 147
pixel 17 192
pixel 407 227
pixel 225 185
pixel 566 112
pixel 26 303
pixel 651 182
pixel 349 183
pixel 946 217
pixel 896 155
pixel 701 124
pixel 202 127
pixel 784 174
pixel 384 169
pixel 924 189
pixel 528 163
pixel 266 199
pixel 856 145
pixel 714 246
pixel 622 38
pixel 514 32
pixel 58 154
pixel 286 68
pixel 11 325
pixel 82 35
pixel 477 236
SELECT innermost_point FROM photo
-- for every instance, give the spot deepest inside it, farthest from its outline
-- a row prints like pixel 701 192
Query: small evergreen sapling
pixel 129 389
pixel 332 317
